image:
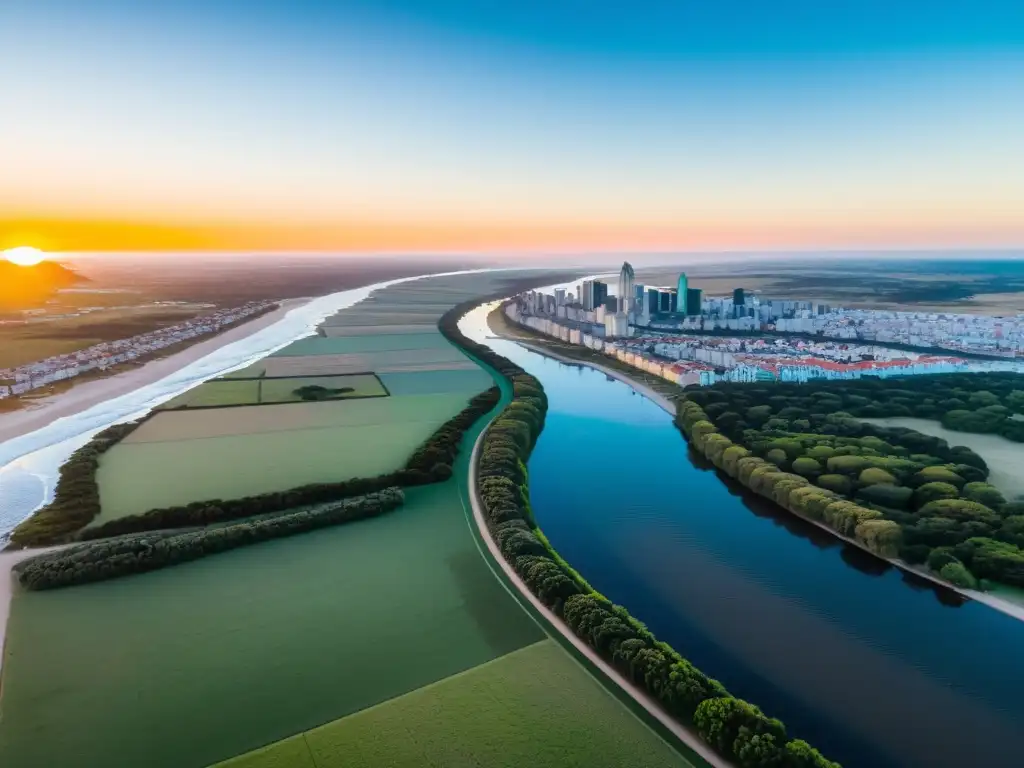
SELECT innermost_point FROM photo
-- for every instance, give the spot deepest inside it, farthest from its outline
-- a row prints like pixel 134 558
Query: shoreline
pixel 1009 608
pixel 89 393
pixel 682 733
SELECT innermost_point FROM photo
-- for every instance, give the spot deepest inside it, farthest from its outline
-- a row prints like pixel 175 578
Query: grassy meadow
pixel 195 664
pixel 283 390
pixel 217 394
pixel 532 707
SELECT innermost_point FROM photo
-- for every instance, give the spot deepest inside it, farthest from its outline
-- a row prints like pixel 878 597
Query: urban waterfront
pixel 830 640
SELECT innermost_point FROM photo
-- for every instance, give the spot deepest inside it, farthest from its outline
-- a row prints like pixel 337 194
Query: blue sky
pixel 722 124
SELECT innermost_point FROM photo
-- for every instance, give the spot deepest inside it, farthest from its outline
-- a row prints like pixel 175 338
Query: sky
pixel 489 125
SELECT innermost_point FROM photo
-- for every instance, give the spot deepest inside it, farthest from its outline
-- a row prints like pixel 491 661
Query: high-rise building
pixel 682 285
pixel 611 304
pixel 738 298
pixel 600 293
pixel 639 292
pixel 587 295
pixel 626 289
pixel 653 301
pixel 559 297
pixel 693 301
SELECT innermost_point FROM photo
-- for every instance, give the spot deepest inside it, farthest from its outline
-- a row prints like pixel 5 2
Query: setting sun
pixel 24 256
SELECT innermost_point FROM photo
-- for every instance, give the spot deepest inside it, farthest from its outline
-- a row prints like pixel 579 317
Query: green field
pixel 214 394
pixel 432 382
pixel 533 707
pixel 283 390
pixel 192 665
pixel 137 477
pixel 337 345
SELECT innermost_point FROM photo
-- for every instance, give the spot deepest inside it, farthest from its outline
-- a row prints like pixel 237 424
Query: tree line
pixel 735 728
pixel 77 498
pixel 896 491
pixel 113 558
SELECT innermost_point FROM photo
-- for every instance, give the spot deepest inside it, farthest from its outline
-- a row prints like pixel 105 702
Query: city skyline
pixel 454 126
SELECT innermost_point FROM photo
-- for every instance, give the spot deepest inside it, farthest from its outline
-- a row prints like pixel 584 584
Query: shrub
pixel 933 492
pixel 836 483
pixel 937 474
pixel 806 466
pixel 847 465
pixel 983 493
pixel 875 475
pixel 958 576
pixel 892 496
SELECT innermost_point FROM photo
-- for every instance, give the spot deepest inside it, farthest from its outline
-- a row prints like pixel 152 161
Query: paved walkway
pixel 638 695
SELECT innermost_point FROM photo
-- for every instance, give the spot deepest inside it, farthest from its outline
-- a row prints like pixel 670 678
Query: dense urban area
pixel 745 338
pixel 100 357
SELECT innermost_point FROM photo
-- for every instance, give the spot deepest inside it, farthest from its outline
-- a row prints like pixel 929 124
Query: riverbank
pixel 503 328
pixel 89 393
pixel 1003 605
pixel 686 736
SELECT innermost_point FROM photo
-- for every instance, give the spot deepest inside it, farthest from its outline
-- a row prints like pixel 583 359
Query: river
pixel 874 667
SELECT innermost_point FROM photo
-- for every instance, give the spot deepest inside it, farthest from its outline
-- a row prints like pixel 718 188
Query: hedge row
pixel 736 729
pixel 101 560
pixel 76 499
pixel 430 463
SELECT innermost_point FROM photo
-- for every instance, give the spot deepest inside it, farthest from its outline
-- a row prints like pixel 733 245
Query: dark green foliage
pixel 885 495
pixel 914 492
pixel 101 560
pixel 76 501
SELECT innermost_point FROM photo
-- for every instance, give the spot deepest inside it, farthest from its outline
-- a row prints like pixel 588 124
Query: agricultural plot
pixel 379 330
pixel 255 420
pixel 217 394
pixel 337 345
pixel 137 477
pixel 534 706
pixel 189 666
pixel 364 362
pixel 436 381
pixel 318 388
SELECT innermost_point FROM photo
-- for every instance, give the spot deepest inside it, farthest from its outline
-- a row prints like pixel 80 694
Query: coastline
pixel 1009 608
pixel 686 736
pixel 89 393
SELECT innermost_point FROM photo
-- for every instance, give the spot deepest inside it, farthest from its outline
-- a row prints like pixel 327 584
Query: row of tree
pixel 735 728
pixel 430 463
pixel 113 558
pixel 990 402
pixel 76 499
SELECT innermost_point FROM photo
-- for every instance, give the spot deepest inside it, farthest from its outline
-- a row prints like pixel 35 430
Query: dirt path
pixel 641 697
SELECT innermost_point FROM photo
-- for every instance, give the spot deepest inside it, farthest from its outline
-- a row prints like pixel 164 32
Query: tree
pixel 719 722
pixel 875 475
pixel 933 492
pixel 937 474
pixel 885 495
pixel 957 575
pixel 836 483
pixel 806 466
pixel 983 493
pixel 799 754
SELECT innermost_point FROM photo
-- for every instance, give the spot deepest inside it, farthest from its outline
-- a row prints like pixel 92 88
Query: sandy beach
pixel 89 393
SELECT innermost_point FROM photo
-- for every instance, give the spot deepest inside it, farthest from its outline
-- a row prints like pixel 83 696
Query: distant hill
pixel 26 287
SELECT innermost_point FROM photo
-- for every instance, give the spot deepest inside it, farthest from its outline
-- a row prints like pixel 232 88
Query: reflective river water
pixel 874 667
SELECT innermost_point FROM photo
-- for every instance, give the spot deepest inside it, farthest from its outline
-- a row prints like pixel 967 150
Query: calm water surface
pixel 873 667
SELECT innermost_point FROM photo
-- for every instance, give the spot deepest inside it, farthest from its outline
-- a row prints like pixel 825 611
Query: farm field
pixel 254 420
pixel 363 362
pixel 372 342
pixel 137 477
pixel 283 390
pixel 192 665
pixel 214 394
pixel 534 706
